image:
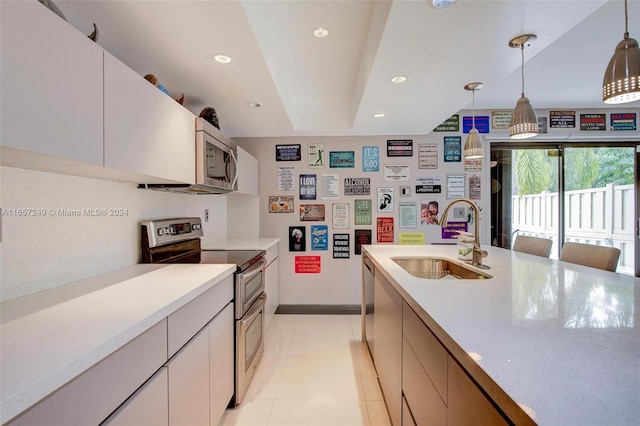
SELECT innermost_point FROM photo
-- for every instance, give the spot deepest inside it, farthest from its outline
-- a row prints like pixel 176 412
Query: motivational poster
pixel 384 229
pixel 307 187
pixel 319 237
pixel 341 246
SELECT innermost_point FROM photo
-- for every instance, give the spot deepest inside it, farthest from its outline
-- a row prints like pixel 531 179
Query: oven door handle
pixel 255 309
pixel 255 270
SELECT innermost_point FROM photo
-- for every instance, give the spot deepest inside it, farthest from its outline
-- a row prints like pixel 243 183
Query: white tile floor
pixel 315 371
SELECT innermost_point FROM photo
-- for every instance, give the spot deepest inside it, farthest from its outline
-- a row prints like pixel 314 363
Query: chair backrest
pixel 533 245
pixel 589 255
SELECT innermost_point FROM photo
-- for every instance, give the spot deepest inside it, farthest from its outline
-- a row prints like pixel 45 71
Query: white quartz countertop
pixel 49 338
pixel 562 341
pixel 259 243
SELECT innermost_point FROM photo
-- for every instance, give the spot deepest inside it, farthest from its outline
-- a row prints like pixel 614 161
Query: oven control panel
pixel 166 231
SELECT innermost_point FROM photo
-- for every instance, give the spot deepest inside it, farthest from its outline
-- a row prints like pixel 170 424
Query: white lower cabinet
pixel 222 361
pixel 189 382
pixel 148 406
pixel 271 284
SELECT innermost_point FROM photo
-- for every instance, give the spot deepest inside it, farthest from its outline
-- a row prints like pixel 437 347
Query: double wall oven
pixel 178 241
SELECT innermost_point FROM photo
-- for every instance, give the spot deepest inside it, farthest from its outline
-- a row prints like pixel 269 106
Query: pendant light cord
pixel 473 109
pixel 626 21
pixel 522 67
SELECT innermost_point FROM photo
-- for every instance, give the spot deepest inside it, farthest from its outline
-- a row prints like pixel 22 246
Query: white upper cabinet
pixel 51 79
pixel 247 173
pixel 145 131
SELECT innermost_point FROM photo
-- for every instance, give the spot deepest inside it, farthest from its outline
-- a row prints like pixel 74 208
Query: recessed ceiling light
pixel 398 79
pixel 223 59
pixel 441 4
pixel 378 115
pixel 254 104
pixel 321 32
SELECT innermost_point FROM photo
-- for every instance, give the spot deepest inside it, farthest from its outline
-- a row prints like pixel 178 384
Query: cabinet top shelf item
pixel 554 340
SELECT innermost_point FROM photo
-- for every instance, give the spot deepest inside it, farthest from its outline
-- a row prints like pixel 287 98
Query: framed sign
pixel 288 152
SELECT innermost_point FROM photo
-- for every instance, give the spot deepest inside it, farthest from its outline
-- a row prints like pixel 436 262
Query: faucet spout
pixel 477 250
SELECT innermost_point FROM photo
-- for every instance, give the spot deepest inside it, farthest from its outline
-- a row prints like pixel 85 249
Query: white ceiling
pixel 333 86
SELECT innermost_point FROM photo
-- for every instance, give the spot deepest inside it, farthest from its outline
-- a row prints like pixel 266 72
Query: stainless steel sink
pixel 436 268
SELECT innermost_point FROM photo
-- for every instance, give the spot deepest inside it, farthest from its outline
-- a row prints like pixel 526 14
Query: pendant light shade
pixel 621 83
pixel 473 145
pixel 524 121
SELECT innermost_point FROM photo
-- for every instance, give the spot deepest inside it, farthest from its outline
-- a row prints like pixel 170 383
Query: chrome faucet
pixel 477 250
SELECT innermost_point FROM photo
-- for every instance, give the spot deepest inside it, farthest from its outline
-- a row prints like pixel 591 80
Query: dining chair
pixel 533 245
pixel 590 255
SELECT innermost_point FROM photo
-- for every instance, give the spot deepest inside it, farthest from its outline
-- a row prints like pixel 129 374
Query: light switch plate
pixel 459 213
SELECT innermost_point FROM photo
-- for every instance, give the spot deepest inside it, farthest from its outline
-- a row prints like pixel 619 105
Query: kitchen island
pixel 545 341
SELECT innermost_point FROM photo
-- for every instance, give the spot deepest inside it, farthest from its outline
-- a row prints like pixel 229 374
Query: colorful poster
pixel 428 156
pixel 475 191
pixel 357 186
pixel 286 178
pixel 623 121
pixel 384 229
pixel 362 210
pixel 340 216
pixel 361 237
pixel 307 187
pixel 429 185
pixel 593 122
pixel 429 212
pixel 396 173
pixel 452 148
pixel 316 156
pixel 385 200
pixel 455 185
pixel 411 238
pixel 451 124
pixel 297 238
pixel 312 212
pixel 307 264
pixel 330 186
pixel 281 204
pixel 501 119
pixel 481 122
pixel 400 148
pixel 288 152
pixel 319 237
pixel 370 159
pixel 342 159
pixel 341 246
pixel 451 230
pixel 407 215
pixel 562 119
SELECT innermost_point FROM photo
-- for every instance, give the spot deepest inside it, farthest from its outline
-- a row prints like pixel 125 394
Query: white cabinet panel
pixel 221 351
pixel 51 79
pixel 145 131
pixel 189 383
pixel 271 284
pixel 148 406
pixel 247 173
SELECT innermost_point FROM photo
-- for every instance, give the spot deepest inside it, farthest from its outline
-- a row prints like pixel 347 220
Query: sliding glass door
pixel 585 193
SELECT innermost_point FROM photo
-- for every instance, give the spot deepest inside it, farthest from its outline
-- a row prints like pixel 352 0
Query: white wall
pixel 40 252
pixel 339 280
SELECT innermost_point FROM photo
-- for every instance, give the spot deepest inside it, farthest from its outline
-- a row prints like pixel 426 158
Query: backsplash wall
pixel 50 249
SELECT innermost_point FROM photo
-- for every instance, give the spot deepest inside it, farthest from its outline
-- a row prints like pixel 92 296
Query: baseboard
pixel 319 309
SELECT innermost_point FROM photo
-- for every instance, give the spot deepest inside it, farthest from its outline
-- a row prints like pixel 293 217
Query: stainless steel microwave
pixel 216 164
pixel 216 159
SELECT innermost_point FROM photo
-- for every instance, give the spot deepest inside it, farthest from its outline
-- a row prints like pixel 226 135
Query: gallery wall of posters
pixel 326 197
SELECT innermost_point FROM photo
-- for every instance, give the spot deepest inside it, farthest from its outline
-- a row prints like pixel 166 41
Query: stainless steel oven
pixel 178 241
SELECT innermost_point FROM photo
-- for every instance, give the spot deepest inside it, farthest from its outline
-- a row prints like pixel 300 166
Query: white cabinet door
pixel 148 406
pixel 146 131
pixel 247 173
pixel 189 383
pixel 221 350
pixel 51 79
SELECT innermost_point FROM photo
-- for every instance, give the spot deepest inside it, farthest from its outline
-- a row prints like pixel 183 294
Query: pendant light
pixel 524 122
pixel 621 83
pixel 473 145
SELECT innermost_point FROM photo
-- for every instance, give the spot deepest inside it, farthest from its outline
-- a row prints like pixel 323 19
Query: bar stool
pixel 533 245
pixel 589 255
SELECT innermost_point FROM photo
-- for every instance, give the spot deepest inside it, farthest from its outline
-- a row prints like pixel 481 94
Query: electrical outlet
pixel 459 213
pixel 206 215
